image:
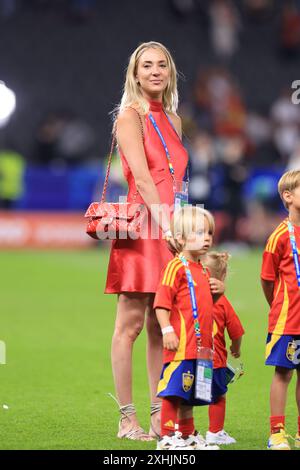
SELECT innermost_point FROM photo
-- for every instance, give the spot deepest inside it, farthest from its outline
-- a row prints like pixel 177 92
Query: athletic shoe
pixel 278 441
pixel 219 438
pixel 173 442
pixel 297 441
pixel 197 442
pixel 164 443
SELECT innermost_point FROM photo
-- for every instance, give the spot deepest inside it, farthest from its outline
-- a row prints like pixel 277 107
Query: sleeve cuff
pixel 265 277
pixel 161 305
pixel 237 336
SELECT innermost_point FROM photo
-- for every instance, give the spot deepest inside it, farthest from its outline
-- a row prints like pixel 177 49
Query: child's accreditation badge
pixel 181 193
pixel 204 374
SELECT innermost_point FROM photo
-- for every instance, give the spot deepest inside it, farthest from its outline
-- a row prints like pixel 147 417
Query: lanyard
pixel 171 168
pixel 295 251
pixel 193 298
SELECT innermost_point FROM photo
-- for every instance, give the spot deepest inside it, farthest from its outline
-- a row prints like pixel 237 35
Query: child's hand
pixel 216 286
pixel 235 351
pixel 170 341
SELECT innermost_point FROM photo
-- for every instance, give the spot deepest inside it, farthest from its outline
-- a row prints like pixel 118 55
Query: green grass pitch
pixel 57 326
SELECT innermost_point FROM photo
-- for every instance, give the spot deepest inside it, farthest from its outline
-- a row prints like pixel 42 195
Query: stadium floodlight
pixel 7 103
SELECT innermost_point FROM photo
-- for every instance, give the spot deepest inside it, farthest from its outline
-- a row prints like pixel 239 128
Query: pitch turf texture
pixel 57 326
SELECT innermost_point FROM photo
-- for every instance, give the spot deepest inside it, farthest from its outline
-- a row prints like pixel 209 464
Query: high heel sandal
pixel 155 408
pixel 135 432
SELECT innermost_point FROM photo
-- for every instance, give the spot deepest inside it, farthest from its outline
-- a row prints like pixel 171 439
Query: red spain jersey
pixel 224 318
pixel 278 266
pixel 173 294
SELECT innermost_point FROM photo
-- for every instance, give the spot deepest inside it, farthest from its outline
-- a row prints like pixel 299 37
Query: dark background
pixel 52 60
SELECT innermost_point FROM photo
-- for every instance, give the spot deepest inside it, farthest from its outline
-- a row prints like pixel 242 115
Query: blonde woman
pixel 148 107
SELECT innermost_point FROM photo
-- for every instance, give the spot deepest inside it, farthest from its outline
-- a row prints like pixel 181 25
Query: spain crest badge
pixel 187 381
pixel 290 350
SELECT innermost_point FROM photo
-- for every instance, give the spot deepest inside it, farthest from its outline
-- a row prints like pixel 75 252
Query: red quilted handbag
pixel 114 220
pixel 109 220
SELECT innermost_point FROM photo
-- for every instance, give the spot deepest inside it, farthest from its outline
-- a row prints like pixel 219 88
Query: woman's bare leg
pixel 154 359
pixel 129 323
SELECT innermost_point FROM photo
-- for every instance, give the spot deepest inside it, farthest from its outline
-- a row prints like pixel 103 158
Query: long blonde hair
pixel 132 93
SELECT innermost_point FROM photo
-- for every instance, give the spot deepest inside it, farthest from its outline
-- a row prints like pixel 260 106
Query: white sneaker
pixel 197 442
pixel 173 442
pixel 179 443
pixel 164 443
pixel 221 437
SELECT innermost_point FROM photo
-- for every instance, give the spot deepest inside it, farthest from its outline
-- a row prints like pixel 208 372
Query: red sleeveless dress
pixel 136 265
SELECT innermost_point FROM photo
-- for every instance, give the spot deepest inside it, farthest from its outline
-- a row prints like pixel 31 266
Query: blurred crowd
pixel 225 20
pixel 63 139
pixel 226 141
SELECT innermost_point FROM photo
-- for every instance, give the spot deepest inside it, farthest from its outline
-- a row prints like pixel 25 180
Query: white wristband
pixel 167 329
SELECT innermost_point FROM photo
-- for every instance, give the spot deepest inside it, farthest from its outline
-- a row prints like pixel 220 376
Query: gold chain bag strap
pixel 116 220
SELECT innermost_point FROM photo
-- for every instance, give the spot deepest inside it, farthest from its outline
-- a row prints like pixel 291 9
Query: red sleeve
pixel 270 264
pixel 233 323
pixel 168 287
pixel 271 258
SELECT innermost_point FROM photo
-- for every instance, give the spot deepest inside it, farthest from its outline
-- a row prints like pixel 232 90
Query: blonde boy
pixel 280 278
pixel 192 230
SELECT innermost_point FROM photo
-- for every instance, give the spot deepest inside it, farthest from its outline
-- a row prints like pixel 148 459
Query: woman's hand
pixel 171 245
pixel 217 287
pixel 170 341
pixel 167 235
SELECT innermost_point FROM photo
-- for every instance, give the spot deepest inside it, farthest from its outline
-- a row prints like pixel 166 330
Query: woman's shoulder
pixel 129 118
pixel 127 114
pixel 132 112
